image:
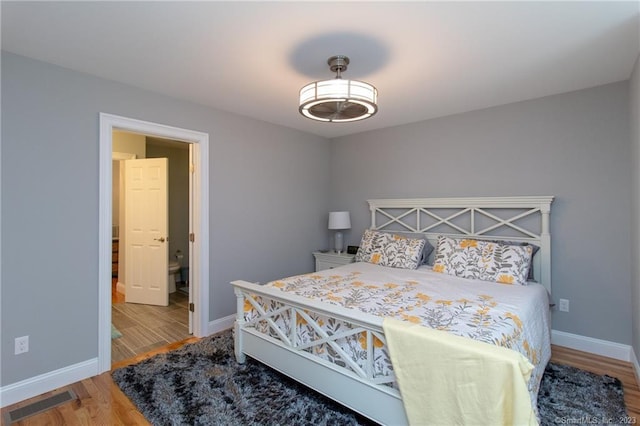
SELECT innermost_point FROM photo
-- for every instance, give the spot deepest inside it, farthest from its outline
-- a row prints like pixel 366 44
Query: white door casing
pixel 192 220
pixel 146 231
pixel 199 262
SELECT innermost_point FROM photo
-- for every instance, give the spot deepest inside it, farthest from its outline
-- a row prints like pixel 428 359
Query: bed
pixel 325 329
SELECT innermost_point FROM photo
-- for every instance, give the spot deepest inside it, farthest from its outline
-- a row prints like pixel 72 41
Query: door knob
pixel 161 239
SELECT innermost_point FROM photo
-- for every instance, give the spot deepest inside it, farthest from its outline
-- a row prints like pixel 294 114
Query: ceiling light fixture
pixel 338 100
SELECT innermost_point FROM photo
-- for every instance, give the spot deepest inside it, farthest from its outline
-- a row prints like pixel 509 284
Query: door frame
pixel 199 226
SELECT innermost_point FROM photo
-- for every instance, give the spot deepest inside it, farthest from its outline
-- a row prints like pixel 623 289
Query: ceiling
pixel 427 59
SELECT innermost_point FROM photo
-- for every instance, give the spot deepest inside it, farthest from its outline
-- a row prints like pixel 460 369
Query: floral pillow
pixel 534 250
pixel 428 248
pixel 483 260
pixel 391 250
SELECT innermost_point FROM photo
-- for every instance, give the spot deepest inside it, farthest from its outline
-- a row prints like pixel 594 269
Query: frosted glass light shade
pixel 338 100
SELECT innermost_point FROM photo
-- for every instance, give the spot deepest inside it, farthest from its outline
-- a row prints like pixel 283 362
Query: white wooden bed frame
pixel 495 218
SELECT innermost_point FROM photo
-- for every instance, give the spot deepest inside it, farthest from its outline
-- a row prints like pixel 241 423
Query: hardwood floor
pixel 600 365
pixel 101 402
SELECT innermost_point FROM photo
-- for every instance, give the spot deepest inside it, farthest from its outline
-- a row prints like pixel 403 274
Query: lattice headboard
pixel 522 219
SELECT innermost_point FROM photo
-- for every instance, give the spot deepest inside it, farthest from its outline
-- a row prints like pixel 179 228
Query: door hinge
pixel 192 168
pixel 192 237
pixel 192 307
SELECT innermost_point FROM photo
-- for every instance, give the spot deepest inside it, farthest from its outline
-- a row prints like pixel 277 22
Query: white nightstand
pixel 330 260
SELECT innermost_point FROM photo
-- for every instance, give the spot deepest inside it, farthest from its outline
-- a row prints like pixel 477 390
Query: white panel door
pixel 145 231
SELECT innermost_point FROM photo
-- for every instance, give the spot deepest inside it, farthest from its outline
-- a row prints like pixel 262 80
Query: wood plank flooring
pixel 145 327
pixel 101 402
pixel 600 365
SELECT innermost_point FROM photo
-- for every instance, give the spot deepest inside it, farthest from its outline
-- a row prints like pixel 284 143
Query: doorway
pixel 198 223
pixel 158 175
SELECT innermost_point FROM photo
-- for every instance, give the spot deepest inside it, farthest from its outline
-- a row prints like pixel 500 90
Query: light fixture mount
pixel 338 63
pixel 338 100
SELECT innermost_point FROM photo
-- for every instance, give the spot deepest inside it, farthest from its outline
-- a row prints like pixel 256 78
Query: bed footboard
pixel 271 338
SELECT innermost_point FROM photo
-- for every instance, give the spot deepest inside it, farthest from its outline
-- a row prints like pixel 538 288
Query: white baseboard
pixel 591 345
pixel 221 324
pixel 47 382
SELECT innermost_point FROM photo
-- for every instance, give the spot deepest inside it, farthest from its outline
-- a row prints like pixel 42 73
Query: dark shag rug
pixel 201 384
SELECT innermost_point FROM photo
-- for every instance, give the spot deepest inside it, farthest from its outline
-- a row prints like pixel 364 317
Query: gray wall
pixel 264 223
pixel 634 89
pixel 178 188
pixel 270 193
pixel 574 146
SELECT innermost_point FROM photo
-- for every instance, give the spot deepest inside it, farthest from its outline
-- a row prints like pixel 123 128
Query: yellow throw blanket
pixel 451 380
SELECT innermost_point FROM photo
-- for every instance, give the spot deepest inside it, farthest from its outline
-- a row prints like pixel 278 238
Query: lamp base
pixel 338 242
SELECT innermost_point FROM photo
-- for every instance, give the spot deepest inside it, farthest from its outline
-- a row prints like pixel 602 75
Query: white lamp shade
pixel 339 220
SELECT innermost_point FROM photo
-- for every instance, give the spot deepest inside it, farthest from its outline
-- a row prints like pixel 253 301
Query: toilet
pixel 174 268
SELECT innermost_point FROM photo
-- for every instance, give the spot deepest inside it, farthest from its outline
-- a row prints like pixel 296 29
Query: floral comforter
pixel 512 316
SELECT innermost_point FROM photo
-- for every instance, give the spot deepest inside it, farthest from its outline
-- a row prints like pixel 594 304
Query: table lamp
pixel 339 221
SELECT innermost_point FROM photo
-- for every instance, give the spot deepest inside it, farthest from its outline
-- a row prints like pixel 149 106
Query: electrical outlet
pixel 22 345
pixel 564 305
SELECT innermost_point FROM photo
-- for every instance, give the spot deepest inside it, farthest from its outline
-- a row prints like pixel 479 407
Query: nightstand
pixel 330 260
